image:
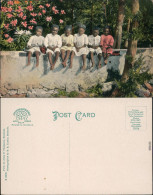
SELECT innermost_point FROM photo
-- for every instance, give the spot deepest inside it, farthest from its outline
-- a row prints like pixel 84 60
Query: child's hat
pixel 39 27
pixel 96 28
pixel 82 26
pixel 107 27
pixel 55 26
pixel 68 27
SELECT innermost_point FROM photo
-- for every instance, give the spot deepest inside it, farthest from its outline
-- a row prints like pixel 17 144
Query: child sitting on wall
pixel 106 43
pixel 67 46
pixel 80 44
pixel 34 44
pixel 53 43
pixel 94 46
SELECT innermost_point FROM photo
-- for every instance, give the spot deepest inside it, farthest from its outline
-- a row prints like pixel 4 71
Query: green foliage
pixel 5 46
pixel 111 15
pixel 146 23
pixel 95 91
pixel 21 41
pixel 137 76
pixel 135 33
pixel 144 17
pixel 73 94
pixel 90 13
pixel 63 93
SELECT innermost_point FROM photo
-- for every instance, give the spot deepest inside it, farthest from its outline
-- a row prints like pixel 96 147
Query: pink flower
pixel 14 22
pixel 54 8
pixel 6 26
pixel 61 21
pixel 30 27
pixel 48 19
pixel 9 40
pixel 39 14
pixel 24 17
pixel 9 15
pixel 43 11
pixel 63 12
pixel 33 21
pixel 30 8
pixel 6 35
pixel 9 9
pixel 10 3
pixel 4 9
pixel 20 15
pixel 47 5
pixel 24 24
pixel 33 14
pixel 19 9
pixel 41 6
pixel 56 11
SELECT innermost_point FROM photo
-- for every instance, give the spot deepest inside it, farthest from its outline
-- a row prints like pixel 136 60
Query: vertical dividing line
pixel 69 155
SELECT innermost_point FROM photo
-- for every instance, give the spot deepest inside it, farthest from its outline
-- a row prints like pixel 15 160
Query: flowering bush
pixel 26 15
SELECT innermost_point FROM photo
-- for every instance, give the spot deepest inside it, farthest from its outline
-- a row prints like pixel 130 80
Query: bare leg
pixel 37 53
pixel 92 59
pixel 50 59
pixel 105 58
pixel 99 63
pixel 29 58
pixel 63 54
pixel 71 60
pixel 56 58
pixel 66 58
pixel 84 61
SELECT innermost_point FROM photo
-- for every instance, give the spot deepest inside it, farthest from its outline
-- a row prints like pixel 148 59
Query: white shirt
pixel 53 41
pixel 80 40
pixel 36 41
pixel 94 41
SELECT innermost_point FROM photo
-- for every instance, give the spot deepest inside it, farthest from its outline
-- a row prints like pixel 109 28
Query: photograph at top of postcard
pixel 76 48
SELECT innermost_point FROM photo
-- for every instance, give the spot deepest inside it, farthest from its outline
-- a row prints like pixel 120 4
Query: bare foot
pixel 64 64
pixel 28 64
pixel 99 66
pixel 84 67
pixel 70 66
pixel 93 64
pixel 37 64
pixel 52 67
pixel 105 62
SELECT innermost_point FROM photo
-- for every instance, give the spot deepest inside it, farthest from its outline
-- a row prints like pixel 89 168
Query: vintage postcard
pixel 76 88
pixel 76 48
pixel 63 146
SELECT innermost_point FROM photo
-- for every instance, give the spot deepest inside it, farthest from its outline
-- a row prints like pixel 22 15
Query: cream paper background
pixel 94 156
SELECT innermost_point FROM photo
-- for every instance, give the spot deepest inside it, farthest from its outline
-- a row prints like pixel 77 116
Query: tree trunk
pixel 128 28
pixel 120 20
pixel 132 44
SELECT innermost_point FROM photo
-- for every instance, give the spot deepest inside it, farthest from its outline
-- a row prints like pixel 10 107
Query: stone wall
pixel 19 78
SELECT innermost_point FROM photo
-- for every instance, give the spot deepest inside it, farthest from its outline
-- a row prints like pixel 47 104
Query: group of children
pixel 68 45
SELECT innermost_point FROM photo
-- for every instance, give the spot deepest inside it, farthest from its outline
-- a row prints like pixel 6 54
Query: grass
pixel 63 93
